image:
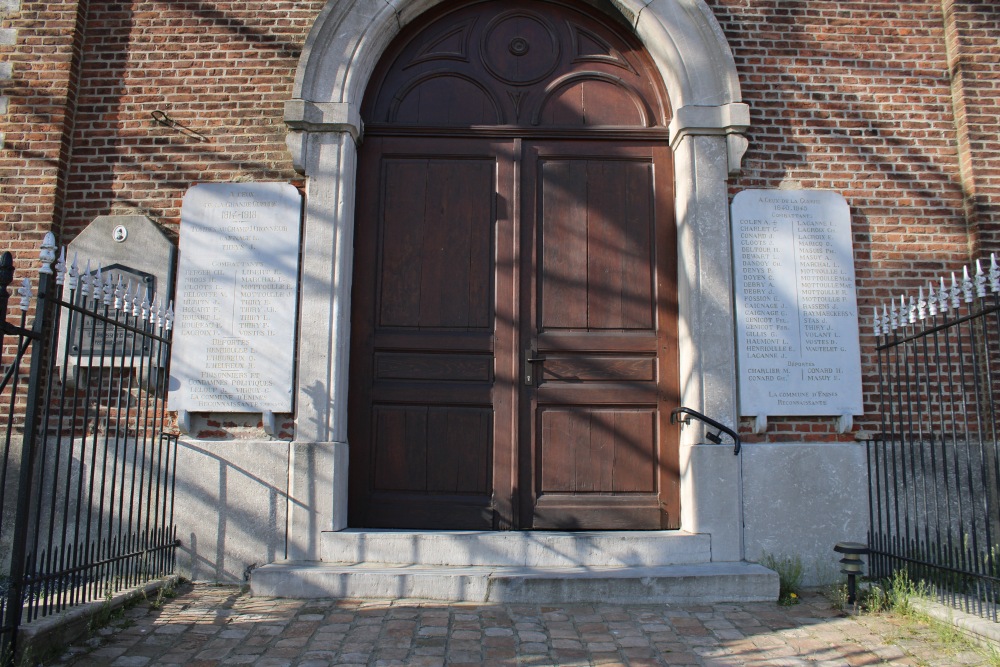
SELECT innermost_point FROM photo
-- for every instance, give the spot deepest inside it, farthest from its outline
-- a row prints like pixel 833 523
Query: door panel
pixel 597 319
pixel 432 449
pixel 589 450
pixel 597 270
pixel 513 336
pixel 435 259
pixel 424 419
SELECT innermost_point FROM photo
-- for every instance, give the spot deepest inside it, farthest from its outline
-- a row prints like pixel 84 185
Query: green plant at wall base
pixel 163 593
pixel 789 569
pixel 103 615
pixel 893 595
pixel 837 594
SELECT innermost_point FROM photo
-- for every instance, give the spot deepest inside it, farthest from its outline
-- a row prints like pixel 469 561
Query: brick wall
pixel 857 97
pixel 973 39
pixel 177 93
pixel 38 49
pixel 8 37
pixel 39 54
pixel 891 103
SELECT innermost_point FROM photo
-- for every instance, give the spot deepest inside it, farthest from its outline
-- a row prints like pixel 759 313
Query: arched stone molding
pixel 694 60
pixel 682 36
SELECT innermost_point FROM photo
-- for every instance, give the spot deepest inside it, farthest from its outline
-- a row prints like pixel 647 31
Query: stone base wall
pixel 801 499
pixel 231 507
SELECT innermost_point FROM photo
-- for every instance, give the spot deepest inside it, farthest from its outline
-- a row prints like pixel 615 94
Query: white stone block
pixel 801 499
pixel 317 496
pixel 230 507
pixel 712 503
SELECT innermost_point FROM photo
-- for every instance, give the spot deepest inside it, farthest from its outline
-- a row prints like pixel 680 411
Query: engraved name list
pixel 237 285
pixel 796 307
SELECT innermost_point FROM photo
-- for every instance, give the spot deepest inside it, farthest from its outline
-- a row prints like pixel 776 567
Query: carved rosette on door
pixel 514 355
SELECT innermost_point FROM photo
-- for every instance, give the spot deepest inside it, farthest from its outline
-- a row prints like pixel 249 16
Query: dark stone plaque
pixel 90 337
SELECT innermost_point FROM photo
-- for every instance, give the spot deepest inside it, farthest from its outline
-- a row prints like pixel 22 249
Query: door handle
pixel 529 368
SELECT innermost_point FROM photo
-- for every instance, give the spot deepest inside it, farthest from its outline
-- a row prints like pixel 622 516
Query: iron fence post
pixel 15 592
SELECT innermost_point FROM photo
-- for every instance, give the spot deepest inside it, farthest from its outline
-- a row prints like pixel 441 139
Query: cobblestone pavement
pixel 209 625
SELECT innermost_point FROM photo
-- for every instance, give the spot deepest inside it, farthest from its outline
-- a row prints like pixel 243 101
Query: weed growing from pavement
pixel 789 569
pixel 163 593
pixel 895 597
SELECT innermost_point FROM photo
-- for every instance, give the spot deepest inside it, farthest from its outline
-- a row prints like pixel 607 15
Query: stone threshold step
pixel 705 583
pixel 517 548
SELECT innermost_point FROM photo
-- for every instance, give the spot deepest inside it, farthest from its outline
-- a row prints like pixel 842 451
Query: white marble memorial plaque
pixel 234 341
pixel 796 305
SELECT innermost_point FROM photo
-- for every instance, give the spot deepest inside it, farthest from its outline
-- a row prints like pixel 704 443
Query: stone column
pixel 711 484
pixel 318 459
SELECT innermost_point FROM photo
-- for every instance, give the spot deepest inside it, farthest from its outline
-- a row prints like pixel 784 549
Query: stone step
pixel 705 583
pixel 517 548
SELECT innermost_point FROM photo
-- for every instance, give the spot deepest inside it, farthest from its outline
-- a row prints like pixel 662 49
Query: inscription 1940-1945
pixel 237 285
pixel 796 306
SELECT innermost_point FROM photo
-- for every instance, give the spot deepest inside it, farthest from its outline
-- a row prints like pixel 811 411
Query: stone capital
pixel 307 116
pixel 731 120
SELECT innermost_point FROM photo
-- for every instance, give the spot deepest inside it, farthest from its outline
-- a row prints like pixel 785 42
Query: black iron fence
pixel 87 470
pixel 935 469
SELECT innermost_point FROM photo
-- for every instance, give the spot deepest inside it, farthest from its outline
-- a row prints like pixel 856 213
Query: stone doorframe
pixel 706 135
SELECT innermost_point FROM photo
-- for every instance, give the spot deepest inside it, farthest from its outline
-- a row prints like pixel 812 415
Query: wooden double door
pixel 514 353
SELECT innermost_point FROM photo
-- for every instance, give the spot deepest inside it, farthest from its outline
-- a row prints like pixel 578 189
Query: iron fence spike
pixel 85 280
pixel 878 321
pixel 994 274
pixel 73 274
pixel 47 254
pixel 97 286
pixel 921 305
pixel 61 266
pixel 967 287
pixel 932 301
pixel 25 291
pixel 109 289
pixel 119 293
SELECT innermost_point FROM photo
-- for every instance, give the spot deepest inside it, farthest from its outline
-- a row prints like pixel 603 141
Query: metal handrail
pixel 714 437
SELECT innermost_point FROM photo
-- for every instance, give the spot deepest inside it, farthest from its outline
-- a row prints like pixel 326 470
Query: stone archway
pixel 697 67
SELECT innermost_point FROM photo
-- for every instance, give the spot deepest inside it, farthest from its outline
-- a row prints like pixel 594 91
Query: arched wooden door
pixel 514 352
